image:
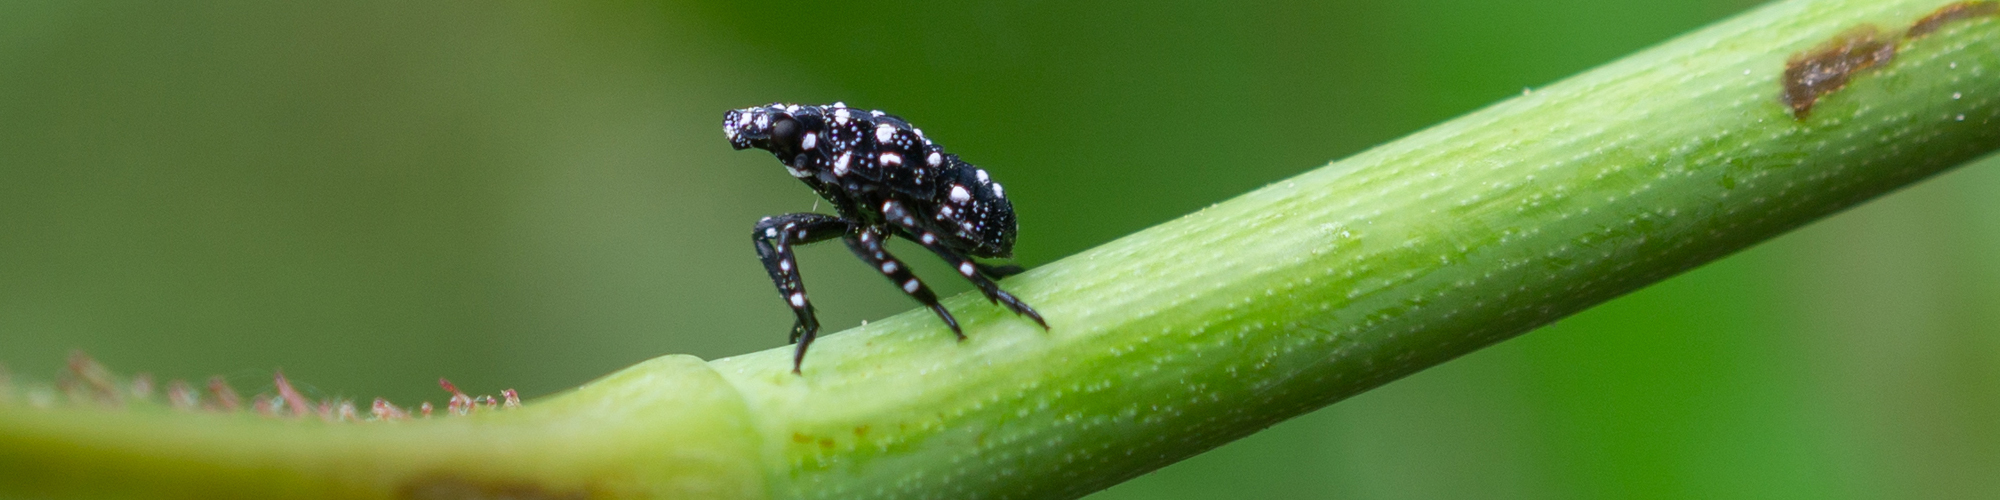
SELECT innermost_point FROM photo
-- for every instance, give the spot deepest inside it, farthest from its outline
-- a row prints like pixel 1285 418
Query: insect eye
pixel 786 131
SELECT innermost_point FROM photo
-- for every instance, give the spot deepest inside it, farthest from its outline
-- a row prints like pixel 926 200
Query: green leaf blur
pixel 374 194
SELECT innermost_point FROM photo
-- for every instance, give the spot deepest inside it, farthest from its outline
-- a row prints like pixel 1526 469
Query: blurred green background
pixel 371 194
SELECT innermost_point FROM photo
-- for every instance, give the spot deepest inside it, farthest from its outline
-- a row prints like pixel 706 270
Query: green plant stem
pixel 1184 336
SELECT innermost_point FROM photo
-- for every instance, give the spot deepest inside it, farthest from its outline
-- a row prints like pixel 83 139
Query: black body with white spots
pixel 885 179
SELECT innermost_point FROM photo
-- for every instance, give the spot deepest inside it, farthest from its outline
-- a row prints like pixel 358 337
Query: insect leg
pixel 868 244
pixel 998 271
pixel 972 271
pixel 774 238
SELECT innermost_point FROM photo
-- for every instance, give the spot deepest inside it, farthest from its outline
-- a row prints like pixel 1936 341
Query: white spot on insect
pixel 947 211
pixel 891 159
pixel 770 232
pixel 959 194
pixel 884 132
pixel 785 265
pixel 965 268
pixel 812 139
pixel 928 238
pixel 874 112
pixel 840 116
pixel 920 132
pixel 840 165
pixel 838 104
pixel 981 173
pixel 911 286
pixel 792 108
pixel 798 299
pixel 934 159
pixel 888 268
pixel 796 172
pixel 998 192
pixel 763 120
pixel 889 206
pixel 867 236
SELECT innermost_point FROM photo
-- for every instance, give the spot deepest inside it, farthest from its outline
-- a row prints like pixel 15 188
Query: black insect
pixel 885 179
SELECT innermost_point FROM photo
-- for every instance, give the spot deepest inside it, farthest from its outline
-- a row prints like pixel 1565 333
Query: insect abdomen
pixel 975 208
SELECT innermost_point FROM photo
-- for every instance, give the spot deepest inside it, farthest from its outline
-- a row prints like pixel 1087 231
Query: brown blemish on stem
pixel 1954 12
pixel 1828 67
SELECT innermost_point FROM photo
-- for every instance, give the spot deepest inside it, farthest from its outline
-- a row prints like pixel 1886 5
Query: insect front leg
pixel 895 213
pixel 774 238
pixel 869 245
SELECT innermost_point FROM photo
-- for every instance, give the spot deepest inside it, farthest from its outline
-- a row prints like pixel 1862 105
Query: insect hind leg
pixel 997 271
pixel 896 214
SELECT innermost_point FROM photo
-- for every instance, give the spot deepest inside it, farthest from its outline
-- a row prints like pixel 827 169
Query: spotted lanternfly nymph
pixel 885 179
